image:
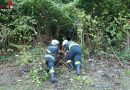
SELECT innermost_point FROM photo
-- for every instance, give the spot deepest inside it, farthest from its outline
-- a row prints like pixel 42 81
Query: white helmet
pixel 54 42
pixel 64 42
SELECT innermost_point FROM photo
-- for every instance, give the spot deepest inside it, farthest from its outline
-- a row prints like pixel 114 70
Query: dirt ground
pixel 96 75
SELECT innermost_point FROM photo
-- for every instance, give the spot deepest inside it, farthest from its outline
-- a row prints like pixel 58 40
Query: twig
pixel 116 56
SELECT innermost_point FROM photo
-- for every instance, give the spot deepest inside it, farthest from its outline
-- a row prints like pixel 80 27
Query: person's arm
pixel 62 50
pixel 66 49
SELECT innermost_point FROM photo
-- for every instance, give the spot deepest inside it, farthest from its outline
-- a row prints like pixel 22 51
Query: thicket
pixel 97 23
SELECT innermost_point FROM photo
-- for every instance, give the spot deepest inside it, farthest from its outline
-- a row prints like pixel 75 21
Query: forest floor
pixel 96 75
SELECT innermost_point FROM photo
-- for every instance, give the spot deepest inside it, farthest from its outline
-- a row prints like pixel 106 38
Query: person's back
pixel 71 43
pixel 53 50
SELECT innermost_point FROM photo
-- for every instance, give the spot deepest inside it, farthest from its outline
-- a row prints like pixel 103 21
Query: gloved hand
pixel 66 53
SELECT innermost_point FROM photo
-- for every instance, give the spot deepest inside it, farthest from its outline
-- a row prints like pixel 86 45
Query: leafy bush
pixel 34 57
pixel 23 29
pixel 98 24
pixel 124 54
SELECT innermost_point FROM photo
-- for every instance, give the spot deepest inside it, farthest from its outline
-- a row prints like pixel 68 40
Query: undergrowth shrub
pixel 23 29
pixel 124 55
pixel 34 57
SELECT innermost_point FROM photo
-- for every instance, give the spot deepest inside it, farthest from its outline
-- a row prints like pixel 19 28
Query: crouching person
pixel 73 55
pixel 50 56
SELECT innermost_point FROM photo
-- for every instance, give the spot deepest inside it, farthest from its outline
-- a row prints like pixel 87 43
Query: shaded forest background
pixel 101 27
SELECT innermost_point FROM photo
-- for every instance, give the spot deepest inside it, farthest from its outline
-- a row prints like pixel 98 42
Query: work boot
pixel 78 69
pixel 52 78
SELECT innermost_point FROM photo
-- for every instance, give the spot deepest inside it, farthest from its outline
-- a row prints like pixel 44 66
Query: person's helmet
pixel 64 42
pixel 54 42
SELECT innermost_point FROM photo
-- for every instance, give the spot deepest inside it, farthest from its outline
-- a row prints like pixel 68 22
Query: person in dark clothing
pixel 50 56
pixel 73 54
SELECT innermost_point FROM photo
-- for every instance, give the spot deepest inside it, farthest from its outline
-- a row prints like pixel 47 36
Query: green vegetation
pixel 99 24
